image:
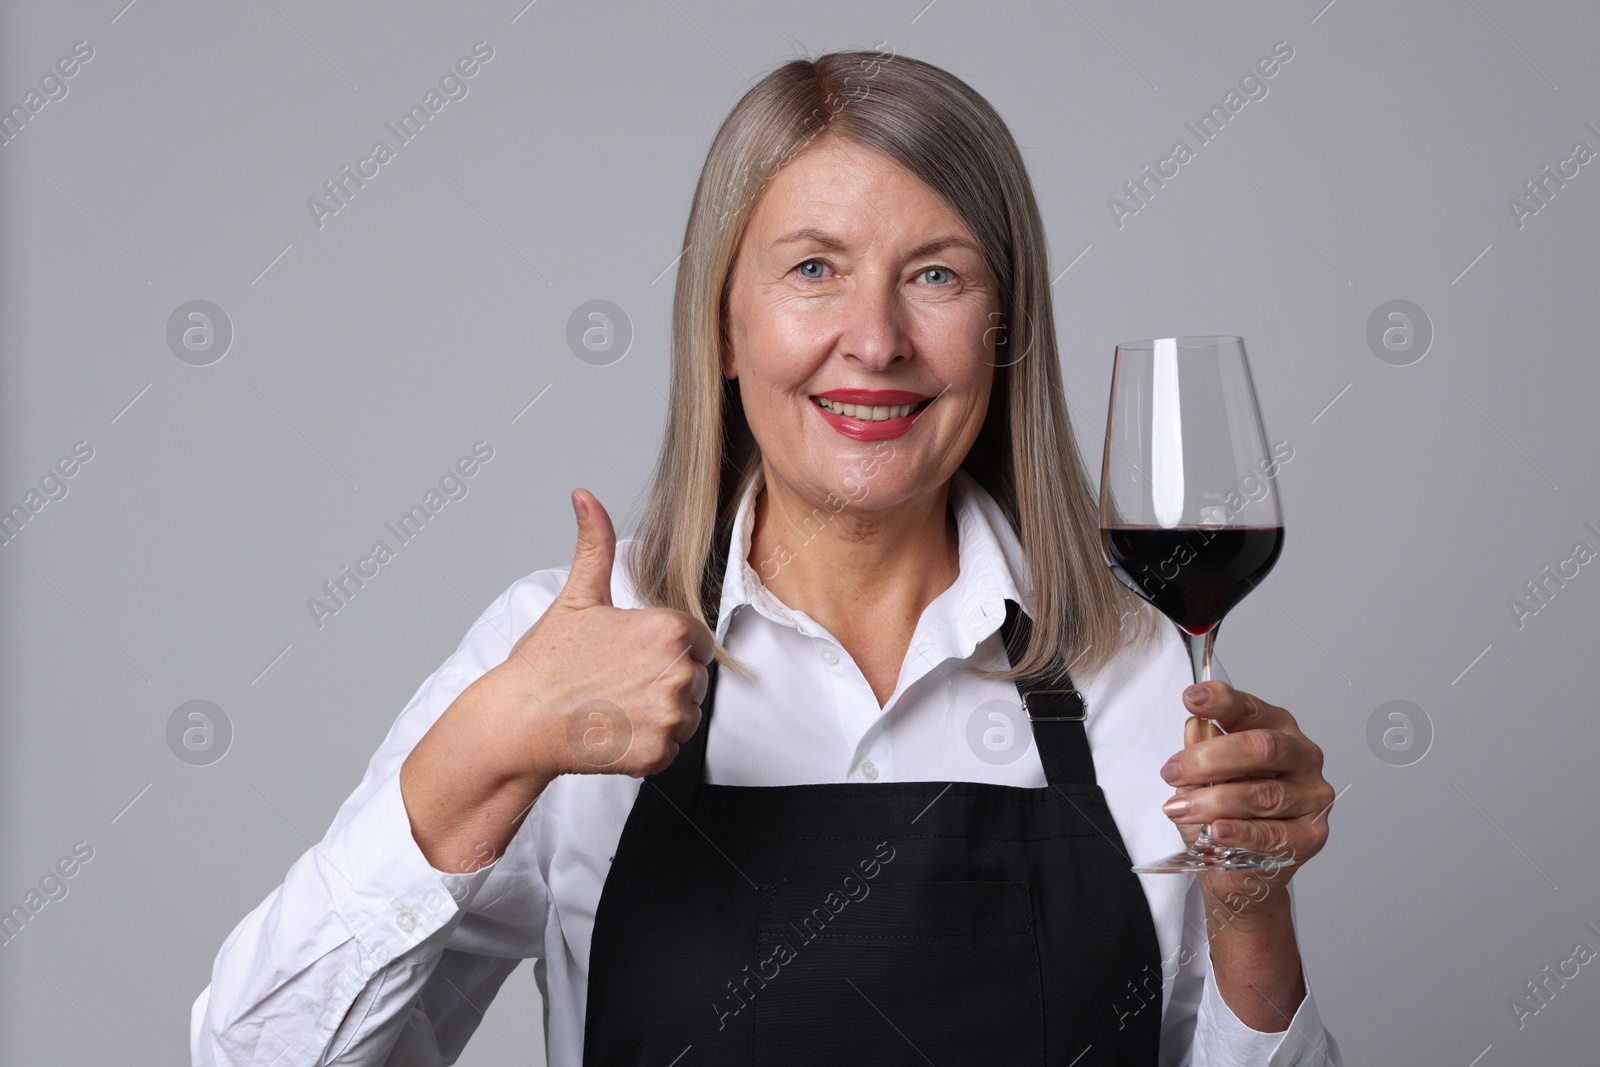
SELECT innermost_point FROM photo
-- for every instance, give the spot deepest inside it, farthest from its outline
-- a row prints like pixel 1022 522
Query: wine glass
pixel 1189 515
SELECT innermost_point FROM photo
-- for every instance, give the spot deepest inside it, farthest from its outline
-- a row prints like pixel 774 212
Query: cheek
pixel 965 403
pixel 962 348
pixel 977 409
pixel 779 355
pixel 969 329
pixel 993 334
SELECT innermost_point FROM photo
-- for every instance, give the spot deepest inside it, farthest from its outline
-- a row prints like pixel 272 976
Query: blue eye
pixel 812 262
pixel 937 270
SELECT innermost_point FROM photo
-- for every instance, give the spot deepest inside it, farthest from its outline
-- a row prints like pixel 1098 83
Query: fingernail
pixel 578 506
pixel 1197 694
pixel 1169 773
pixel 1176 808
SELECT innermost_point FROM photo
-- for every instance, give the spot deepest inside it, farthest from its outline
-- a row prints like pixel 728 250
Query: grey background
pixel 371 353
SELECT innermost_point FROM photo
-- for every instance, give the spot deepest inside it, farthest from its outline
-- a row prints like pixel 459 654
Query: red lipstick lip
pixel 875 397
pixel 866 430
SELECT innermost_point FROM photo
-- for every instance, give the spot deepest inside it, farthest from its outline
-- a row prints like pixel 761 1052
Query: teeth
pixel 865 412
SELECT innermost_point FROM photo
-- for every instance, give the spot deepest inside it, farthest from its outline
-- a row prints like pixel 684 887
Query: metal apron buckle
pixel 1070 694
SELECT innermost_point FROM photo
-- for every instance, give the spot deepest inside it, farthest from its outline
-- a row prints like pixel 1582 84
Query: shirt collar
pixel 993 569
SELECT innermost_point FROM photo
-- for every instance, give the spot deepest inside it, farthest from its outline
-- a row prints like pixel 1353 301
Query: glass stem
pixel 1199 646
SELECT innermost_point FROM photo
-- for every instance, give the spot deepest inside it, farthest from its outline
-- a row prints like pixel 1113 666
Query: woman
pixel 869 533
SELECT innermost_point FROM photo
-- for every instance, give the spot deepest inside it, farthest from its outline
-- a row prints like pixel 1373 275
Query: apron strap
pixel 1055 709
pixel 1053 705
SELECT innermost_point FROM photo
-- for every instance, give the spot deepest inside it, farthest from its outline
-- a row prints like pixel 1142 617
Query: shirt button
pixel 406 921
pixel 869 770
pixel 829 655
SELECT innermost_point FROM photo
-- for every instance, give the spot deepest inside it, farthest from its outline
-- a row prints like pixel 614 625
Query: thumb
pixel 589 582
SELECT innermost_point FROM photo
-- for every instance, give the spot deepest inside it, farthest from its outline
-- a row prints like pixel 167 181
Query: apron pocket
pixel 895 973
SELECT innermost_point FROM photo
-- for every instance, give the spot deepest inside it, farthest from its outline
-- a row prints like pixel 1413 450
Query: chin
pixel 872 485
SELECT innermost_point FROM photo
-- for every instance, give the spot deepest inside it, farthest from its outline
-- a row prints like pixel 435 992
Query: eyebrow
pixel 832 243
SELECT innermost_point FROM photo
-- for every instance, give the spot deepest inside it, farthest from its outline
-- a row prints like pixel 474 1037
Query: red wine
pixel 1192 574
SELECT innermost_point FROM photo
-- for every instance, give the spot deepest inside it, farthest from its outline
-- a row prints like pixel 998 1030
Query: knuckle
pixel 682 630
pixel 666 714
pixel 1267 795
pixel 661 623
pixel 688 627
pixel 678 679
pixel 1262 745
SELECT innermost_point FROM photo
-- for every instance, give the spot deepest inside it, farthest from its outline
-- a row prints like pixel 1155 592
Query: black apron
pixel 947 923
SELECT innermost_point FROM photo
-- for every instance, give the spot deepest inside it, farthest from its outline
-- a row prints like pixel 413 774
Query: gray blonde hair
pixel 941 130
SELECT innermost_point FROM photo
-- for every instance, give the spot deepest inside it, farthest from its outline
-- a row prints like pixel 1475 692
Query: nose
pixel 876 330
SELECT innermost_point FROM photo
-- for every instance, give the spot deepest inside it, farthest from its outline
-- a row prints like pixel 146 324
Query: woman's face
pixel 855 283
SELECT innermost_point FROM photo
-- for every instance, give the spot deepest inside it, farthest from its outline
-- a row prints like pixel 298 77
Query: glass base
pixel 1207 855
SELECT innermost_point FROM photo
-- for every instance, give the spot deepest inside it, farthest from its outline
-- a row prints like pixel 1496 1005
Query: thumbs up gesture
pixel 590 688
pixel 601 689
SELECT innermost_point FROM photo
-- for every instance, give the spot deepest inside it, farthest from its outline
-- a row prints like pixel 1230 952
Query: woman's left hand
pixel 1269 794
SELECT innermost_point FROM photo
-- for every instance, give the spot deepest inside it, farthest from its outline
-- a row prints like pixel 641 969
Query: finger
pixel 1246 754
pixel 686 678
pixel 589 582
pixel 702 643
pixel 702 682
pixel 691 722
pixel 1255 798
pixel 1296 839
pixel 1233 709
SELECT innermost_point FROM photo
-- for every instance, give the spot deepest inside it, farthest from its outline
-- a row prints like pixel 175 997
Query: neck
pixel 856 572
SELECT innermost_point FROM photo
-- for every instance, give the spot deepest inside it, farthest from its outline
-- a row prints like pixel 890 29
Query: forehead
pixel 848 190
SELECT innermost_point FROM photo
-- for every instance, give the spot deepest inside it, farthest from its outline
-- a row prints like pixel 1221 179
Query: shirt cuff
pixel 388 894
pixel 1223 1040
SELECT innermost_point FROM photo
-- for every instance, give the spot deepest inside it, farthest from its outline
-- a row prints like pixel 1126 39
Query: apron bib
pixel 949 923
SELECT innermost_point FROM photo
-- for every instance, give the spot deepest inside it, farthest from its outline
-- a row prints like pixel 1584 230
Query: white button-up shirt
pixel 368 955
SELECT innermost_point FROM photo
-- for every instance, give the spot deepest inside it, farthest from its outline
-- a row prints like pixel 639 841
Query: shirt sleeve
pixel 351 959
pixel 1222 1040
pixel 1200 1030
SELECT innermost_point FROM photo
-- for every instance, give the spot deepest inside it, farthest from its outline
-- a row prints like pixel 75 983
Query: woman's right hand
pixel 589 688
pixel 596 688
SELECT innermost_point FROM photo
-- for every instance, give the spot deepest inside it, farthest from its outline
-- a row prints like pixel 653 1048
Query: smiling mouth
pixel 869 413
